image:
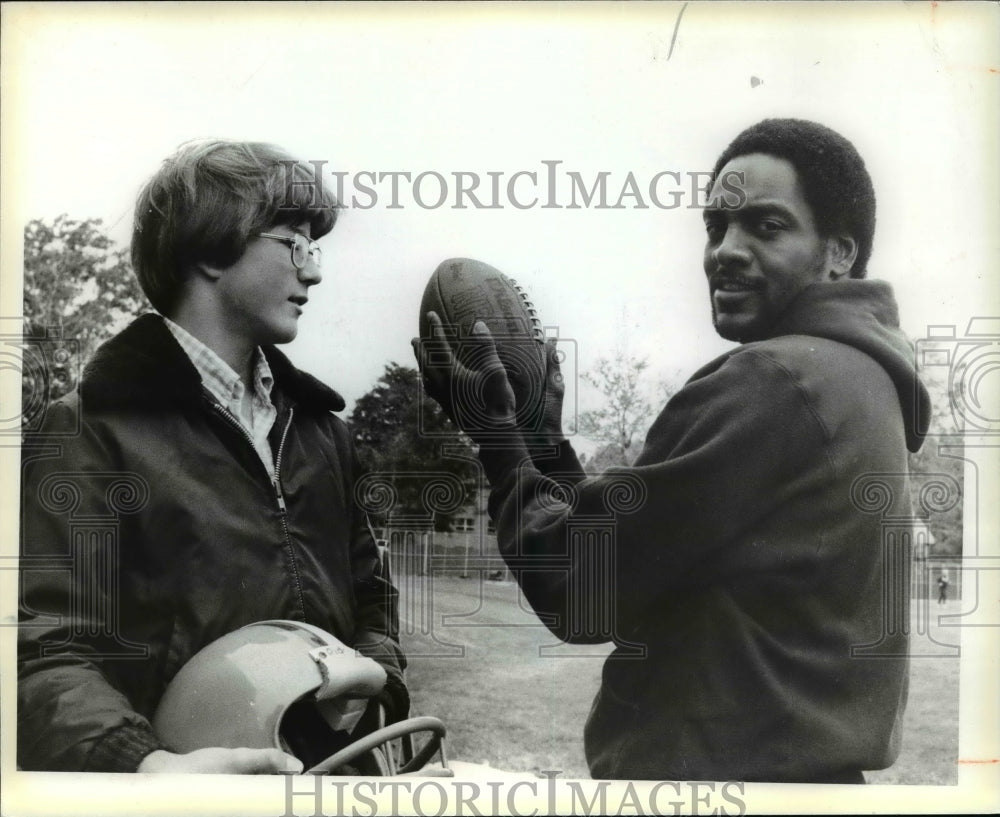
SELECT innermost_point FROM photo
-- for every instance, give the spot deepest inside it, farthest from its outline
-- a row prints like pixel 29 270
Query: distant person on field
pixel 942 583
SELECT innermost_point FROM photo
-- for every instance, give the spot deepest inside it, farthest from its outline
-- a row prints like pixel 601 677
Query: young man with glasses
pixel 241 478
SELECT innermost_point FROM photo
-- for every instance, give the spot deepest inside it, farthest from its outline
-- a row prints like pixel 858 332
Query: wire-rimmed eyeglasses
pixel 302 248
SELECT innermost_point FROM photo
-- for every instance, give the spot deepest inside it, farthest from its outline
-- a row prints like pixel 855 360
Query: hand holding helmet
pixel 219 760
pixel 282 696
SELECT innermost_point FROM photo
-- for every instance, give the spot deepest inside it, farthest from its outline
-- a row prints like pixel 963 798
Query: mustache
pixel 720 279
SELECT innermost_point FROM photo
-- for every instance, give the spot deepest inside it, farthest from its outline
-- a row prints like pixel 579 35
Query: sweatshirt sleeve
pixel 724 453
pixel 70 717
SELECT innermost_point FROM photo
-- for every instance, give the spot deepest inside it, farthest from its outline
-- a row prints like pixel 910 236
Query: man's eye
pixel 769 226
pixel 715 229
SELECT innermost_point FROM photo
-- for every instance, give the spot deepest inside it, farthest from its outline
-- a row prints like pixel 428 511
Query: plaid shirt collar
pixel 218 376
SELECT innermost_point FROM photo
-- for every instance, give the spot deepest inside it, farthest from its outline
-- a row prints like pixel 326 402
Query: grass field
pixel 516 699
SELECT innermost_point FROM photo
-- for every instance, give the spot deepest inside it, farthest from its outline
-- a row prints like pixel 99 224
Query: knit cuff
pixel 122 750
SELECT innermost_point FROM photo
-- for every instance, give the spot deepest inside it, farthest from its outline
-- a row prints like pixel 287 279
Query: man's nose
pixel 732 251
pixel 310 274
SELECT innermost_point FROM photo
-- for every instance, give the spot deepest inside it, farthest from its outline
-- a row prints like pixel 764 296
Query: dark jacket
pixel 151 528
pixel 740 565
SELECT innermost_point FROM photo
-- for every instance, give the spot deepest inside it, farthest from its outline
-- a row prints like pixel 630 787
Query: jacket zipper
pixel 277 466
pixel 227 415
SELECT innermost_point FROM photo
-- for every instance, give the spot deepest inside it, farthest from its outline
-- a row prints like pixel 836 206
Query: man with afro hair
pixel 738 565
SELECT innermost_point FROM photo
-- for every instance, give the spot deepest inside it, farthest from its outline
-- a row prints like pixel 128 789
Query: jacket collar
pixel 144 366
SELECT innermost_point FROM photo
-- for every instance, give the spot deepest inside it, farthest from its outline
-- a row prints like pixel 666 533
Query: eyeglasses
pixel 302 248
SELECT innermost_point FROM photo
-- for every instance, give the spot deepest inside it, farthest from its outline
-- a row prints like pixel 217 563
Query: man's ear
pixel 206 270
pixel 841 251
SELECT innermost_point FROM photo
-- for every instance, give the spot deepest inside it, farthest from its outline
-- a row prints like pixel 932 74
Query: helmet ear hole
pixel 343 713
pixel 306 734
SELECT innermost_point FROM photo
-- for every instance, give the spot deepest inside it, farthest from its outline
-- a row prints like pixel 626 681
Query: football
pixel 462 291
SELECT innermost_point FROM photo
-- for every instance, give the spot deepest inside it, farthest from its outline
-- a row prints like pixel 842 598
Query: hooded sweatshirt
pixel 743 566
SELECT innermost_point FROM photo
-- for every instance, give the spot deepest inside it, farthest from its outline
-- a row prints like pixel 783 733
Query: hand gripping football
pixel 462 291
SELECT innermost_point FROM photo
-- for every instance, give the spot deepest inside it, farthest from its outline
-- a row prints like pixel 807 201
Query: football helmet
pixel 292 686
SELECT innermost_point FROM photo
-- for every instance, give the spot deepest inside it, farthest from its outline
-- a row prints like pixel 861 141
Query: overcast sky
pixel 96 96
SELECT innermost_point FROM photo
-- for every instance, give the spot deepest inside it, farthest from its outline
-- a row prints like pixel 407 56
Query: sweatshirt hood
pixel 864 314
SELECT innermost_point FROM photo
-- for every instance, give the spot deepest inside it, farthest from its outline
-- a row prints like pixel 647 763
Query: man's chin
pixel 736 329
pixel 280 335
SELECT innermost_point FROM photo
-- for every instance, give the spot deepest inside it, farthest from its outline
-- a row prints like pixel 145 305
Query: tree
pixel 405 438
pixel 625 411
pixel 608 455
pixel 79 289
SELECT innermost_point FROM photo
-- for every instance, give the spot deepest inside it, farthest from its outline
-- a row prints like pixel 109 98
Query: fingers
pixel 437 328
pixel 435 360
pixel 551 355
pixel 553 371
pixel 485 352
pixel 275 760
pixel 437 343
pixel 443 356
pixel 264 761
pixel 220 760
pixel 471 382
pixel 436 355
